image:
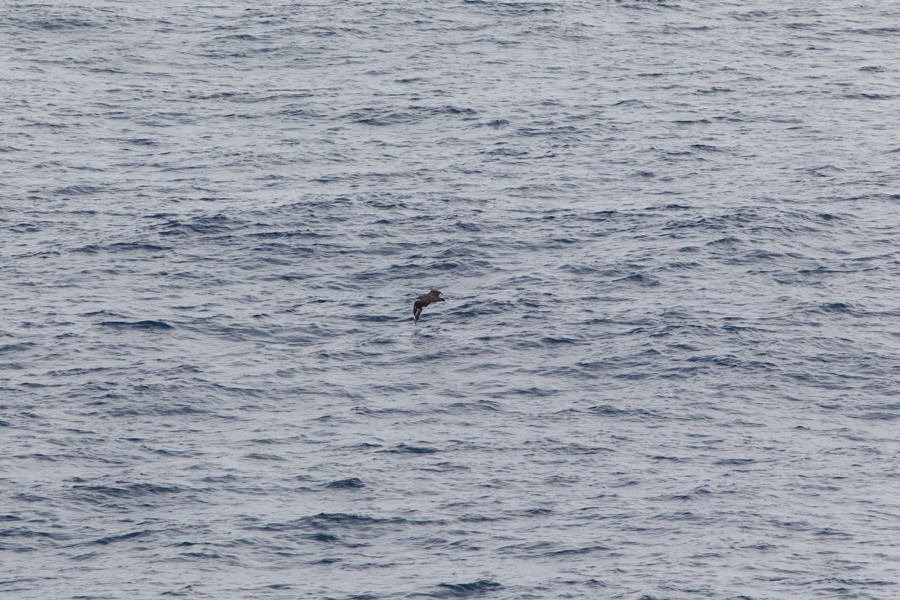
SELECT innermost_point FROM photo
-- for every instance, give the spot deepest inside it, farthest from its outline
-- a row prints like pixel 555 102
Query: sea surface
pixel 668 366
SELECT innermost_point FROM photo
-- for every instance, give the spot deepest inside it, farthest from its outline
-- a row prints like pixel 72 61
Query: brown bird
pixel 424 300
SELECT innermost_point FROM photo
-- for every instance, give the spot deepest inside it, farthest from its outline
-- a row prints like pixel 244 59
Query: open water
pixel 668 363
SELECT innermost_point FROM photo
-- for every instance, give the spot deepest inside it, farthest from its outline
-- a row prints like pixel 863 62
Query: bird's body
pixel 424 300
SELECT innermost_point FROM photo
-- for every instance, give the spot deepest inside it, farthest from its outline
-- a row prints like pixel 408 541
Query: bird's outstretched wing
pixel 418 306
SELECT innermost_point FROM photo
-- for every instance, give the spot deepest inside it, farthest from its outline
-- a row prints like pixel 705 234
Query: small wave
pixel 606 410
pixel 640 279
pixel 264 456
pixel 577 551
pixel 60 23
pixel 16 347
pixel 838 308
pixel 133 490
pixel 203 225
pixel 877 416
pixel 466 590
pixel 347 521
pixel 870 96
pixel 630 102
pixel 735 461
pixel 136 246
pixel 165 411
pixel 77 190
pixel 148 325
pixel 346 484
pixel 111 539
pixel 405 449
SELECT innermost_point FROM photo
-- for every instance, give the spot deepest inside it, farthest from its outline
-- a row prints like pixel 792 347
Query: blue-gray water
pixel 668 363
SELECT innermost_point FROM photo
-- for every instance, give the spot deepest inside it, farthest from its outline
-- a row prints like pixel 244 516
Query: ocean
pixel 667 367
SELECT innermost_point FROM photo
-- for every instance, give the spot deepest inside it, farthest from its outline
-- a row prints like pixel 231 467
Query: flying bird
pixel 424 300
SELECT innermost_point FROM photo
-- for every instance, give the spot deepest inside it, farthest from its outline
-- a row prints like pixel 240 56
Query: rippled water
pixel 667 366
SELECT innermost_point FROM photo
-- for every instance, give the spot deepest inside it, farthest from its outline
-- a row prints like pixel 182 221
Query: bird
pixel 424 300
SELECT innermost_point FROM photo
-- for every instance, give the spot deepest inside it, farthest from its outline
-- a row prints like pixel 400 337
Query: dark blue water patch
pixel 548 130
pixel 210 225
pixel 305 233
pixel 445 467
pixel 159 410
pixel 639 279
pixel 728 240
pixel 869 96
pixel 383 318
pixel 383 117
pixel 344 520
pixel 351 483
pixel 14 348
pixel 139 325
pixel 25 532
pixel 733 462
pixel 62 23
pixel 263 456
pixel 78 190
pixel 829 532
pixel 631 103
pixel 606 410
pixel 111 539
pixel 183 592
pixel 580 269
pixel 25 228
pixel 365 410
pixel 140 142
pixel 406 449
pixel 731 361
pixel 136 247
pixel 878 415
pixel 822 171
pixel 121 247
pixel 533 392
pixel 836 307
pixel 128 490
pixel 347 522
pixel 683 496
pixel 477 406
pixel 465 590
pixel 675 459
pixel 576 551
